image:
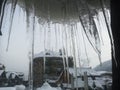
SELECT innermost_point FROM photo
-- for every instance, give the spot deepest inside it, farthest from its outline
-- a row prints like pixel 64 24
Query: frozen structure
pixel 47 66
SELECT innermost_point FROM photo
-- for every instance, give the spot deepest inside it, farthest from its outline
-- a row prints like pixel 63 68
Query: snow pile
pixel 46 86
pixel 20 87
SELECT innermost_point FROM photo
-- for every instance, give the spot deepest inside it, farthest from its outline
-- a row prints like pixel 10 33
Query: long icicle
pixel 66 45
pixel 56 40
pixel 2 14
pixel 84 45
pixel 80 18
pixel 44 58
pixel 99 52
pixel 74 54
pixel 79 54
pixel 63 52
pixel 32 50
pixel 11 21
pixel 100 29
pixel 109 32
pixel 77 39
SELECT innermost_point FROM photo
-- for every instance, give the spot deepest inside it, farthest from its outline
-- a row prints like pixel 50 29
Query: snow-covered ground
pixel 17 87
pixel 46 86
pixel 7 88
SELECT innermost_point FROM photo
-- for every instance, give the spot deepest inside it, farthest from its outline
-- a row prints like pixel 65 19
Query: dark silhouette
pixel 115 24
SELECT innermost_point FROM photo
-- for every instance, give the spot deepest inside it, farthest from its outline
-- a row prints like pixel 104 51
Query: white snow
pixel 11 73
pixel 80 71
pixel 51 54
pixel 20 87
pixel 7 88
pixel 46 86
pixel 80 83
pixel 17 87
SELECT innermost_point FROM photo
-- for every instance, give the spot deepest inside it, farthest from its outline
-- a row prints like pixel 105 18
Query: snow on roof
pixel 47 53
pixel 46 86
pixel 80 71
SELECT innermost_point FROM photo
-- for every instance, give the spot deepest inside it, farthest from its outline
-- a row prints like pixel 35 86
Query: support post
pixel 85 81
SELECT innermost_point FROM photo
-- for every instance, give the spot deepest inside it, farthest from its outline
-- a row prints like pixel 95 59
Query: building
pixel 47 66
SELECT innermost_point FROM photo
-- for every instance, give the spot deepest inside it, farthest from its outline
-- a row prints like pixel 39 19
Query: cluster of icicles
pixel 64 35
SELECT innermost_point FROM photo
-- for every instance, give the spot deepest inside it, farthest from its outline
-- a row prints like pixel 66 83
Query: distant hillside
pixel 106 66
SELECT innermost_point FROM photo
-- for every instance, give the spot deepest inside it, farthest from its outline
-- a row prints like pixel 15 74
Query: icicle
pixel 14 3
pixel 74 54
pixel 109 31
pixel 77 37
pixel 44 58
pixel 63 52
pixel 2 14
pixel 81 21
pixel 49 27
pixel 84 45
pixel 96 33
pixel 100 29
pixel 32 49
pixel 27 9
pixel 66 54
pixel 56 40
pixel 92 31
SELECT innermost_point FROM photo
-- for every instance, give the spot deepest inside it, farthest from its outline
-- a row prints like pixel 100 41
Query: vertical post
pixel 72 82
pixel 85 81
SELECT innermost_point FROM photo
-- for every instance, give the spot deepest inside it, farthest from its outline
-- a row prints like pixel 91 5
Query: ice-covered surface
pixel 46 86
pixel 47 53
pixel 80 71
